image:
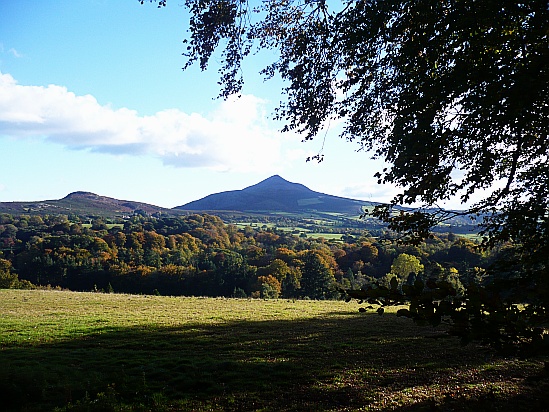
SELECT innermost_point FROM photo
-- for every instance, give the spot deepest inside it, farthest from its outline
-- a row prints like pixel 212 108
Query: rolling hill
pixel 274 194
pixel 269 198
pixel 82 203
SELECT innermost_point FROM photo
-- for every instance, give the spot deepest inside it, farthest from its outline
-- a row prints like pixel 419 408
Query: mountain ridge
pixel 81 202
pixel 269 197
pixel 274 194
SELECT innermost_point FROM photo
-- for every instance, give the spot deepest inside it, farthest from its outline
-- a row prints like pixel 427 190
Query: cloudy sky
pixel 93 98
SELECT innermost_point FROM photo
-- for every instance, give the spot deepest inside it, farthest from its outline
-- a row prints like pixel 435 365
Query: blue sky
pixel 93 98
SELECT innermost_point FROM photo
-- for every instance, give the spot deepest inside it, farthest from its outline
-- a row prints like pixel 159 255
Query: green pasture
pixel 471 236
pixel 300 230
pixel 327 236
pixel 109 225
pixel 93 352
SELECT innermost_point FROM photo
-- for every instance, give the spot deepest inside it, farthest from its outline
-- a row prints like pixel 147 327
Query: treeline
pixel 199 255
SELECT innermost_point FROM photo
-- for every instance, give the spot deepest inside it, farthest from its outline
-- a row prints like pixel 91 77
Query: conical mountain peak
pixel 276 183
pixel 275 194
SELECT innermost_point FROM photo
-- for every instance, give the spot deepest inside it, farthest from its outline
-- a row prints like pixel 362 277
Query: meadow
pixel 91 351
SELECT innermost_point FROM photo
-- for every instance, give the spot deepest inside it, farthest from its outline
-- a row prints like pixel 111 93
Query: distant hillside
pixel 268 199
pixel 276 194
pixel 82 203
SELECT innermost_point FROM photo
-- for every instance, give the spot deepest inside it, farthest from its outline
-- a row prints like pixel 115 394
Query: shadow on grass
pixel 331 363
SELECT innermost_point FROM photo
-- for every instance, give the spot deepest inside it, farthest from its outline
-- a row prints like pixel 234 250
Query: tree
pixel 269 287
pixel 291 283
pixel 233 272
pixel 277 268
pixel 404 264
pixel 434 88
pixel 7 278
pixel 316 279
pixel 453 95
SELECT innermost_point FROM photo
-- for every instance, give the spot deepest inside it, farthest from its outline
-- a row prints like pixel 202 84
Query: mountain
pixel 278 195
pixel 269 197
pixel 82 203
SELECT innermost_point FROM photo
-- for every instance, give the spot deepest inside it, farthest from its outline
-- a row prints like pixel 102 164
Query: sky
pixel 93 98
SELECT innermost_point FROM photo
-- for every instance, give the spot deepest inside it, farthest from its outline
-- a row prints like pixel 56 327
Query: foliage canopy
pixel 452 94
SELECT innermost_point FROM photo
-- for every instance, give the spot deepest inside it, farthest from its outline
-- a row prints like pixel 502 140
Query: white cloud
pixel 370 191
pixel 15 53
pixel 235 137
pixel 11 51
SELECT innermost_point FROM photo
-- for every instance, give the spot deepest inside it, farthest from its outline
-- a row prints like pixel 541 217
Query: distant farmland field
pixel 92 351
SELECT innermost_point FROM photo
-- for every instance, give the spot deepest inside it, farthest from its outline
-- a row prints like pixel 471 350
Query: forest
pixel 200 255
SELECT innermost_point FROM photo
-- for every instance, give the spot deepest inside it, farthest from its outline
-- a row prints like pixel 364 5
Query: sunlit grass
pixel 146 352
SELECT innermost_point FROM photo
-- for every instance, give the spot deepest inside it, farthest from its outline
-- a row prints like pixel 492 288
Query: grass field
pixel 95 352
